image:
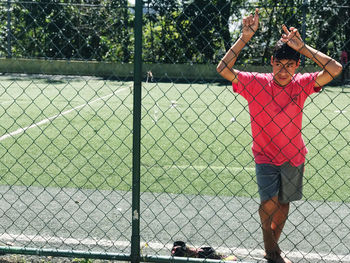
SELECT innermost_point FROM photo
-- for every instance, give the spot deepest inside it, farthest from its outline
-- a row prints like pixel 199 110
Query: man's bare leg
pixel 279 220
pixel 273 216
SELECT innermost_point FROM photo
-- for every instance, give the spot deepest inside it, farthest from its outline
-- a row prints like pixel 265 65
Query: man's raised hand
pixel 251 24
pixel 292 38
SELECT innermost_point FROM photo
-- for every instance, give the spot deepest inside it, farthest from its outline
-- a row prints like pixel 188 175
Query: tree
pixel 188 31
pixel 161 37
pixel 205 28
pixel 116 32
pixel 332 24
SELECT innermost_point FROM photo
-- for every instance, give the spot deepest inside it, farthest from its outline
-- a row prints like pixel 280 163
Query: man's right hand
pixel 250 24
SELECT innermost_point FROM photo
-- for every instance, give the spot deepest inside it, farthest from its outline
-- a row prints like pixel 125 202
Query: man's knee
pixel 269 206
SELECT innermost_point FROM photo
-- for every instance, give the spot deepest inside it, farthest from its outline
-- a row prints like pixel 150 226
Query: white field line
pixel 204 167
pixel 20 130
pixel 10 239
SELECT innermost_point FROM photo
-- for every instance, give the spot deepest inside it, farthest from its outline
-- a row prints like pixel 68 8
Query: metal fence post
pixel 9 33
pixel 135 238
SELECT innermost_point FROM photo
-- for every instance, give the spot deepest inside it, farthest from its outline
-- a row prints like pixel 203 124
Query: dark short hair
pixel 283 51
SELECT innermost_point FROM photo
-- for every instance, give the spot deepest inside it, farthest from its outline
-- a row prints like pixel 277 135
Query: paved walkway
pixel 101 221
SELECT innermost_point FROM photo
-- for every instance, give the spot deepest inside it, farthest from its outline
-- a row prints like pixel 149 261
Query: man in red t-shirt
pixel 276 102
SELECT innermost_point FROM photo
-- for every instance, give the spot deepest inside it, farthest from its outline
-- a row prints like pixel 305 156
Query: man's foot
pixel 275 257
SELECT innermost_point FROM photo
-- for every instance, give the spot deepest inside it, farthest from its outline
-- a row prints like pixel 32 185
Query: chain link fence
pixel 72 183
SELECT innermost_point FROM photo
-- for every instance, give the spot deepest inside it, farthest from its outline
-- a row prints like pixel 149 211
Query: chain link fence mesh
pixel 65 139
pixel 66 114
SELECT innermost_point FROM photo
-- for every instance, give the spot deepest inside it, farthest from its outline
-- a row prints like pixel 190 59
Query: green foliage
pixel 58 30
pixel 82 260
pixel 196 31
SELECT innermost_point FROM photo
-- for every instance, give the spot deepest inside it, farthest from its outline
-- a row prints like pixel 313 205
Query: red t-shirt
pixel 276 115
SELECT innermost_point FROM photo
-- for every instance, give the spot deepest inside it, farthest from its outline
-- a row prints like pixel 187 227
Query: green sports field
pixel 77 133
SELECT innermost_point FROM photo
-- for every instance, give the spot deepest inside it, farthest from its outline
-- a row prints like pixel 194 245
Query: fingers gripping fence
pixel 118 136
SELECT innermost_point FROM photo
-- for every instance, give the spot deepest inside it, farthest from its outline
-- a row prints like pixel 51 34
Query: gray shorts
pixel 286 181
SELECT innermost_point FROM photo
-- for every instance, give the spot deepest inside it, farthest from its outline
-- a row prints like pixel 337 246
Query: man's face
pixel 283 70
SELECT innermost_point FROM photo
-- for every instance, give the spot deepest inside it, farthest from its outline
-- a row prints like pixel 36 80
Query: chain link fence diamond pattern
pixel 66 130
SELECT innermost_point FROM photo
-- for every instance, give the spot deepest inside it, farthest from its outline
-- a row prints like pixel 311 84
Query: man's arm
pixel 225 66
pixel 330 67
